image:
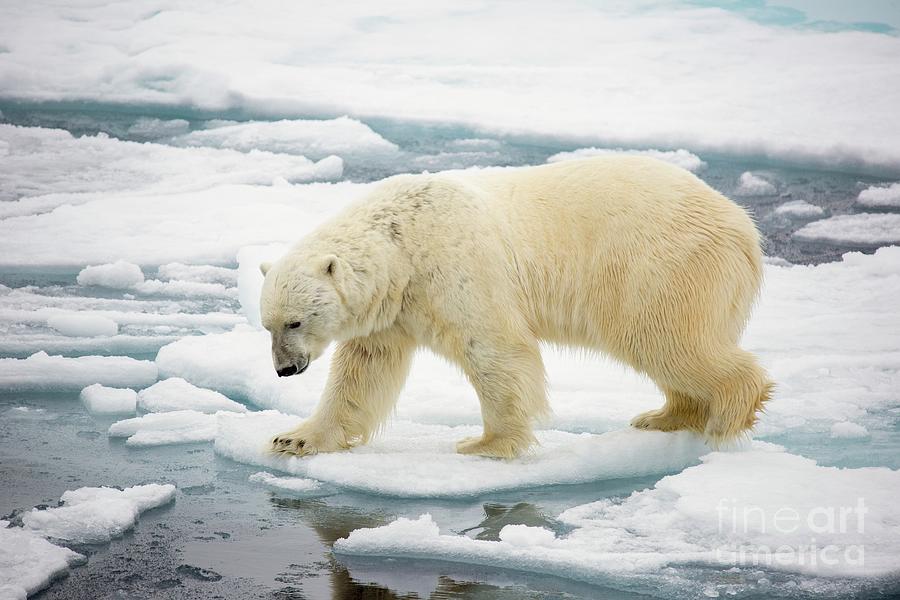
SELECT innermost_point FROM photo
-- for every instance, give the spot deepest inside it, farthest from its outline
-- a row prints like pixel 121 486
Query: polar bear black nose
pixel 287 371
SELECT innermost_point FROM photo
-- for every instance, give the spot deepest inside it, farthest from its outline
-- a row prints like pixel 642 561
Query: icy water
pixel 227 537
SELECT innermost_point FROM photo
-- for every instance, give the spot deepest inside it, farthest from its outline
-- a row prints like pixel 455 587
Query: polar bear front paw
pixel 303 441
pixel 493 446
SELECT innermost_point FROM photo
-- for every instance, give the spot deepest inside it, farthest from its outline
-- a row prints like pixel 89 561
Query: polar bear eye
pixel 294 325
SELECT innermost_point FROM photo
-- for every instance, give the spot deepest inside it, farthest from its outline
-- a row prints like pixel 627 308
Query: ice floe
pixel 799 208
pixel 83 325
pixel 681 157
pixel 880 196
pixel 867 229
pixel 296 485
pixel 100 399
pixel 315 139
pixel 41 371
pixel 751 184
pixel 28 562
pixel 808 519
pixel 91 515
pixel 120 275
pixel 199 273
pixel 160 429
pixel 849 431
pixel 416 460
pixel 177 394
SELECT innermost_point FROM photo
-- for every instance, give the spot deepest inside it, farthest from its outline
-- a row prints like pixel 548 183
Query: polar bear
pixel 626 255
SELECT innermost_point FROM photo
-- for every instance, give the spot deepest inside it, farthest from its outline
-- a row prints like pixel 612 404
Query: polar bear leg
pixel 509 379
pixel 679 412
pixel 365 379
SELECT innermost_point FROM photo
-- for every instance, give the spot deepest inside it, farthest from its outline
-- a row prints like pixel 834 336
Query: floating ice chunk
pixel 120 275
pixel 715 514
pixel 880 197
pixel 313 138
pixel 415 460
pixel 187 289
pixel 863 229
pixel 290 484
pixel 200 273
pixel 100 399
pixel 799 208
pixel 158 429
pixel 750 184
pixel 103 163
pixel 27 344
pixel 28 562
pixel 681 157
pixel 848 430
pixel 93 515
pixel 43 372
pixel 83 325
pixel 177 394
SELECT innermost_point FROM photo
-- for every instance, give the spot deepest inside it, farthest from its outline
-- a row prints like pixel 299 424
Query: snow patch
pixel 800 208
pixel 848 430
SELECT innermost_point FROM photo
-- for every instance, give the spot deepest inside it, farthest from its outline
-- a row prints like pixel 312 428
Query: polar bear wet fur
pixel 629 256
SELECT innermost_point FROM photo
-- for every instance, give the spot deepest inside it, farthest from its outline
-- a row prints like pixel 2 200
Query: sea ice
pixel 120 275
pixel 298 485
pixel 177 394
pixel 849 431
pixel 806 519
pixel 870 229
pixel 415 460
pixel 41 371
pixel 100 399
pixel 159 429
pixel 83 325
pixel 315 139
pixel 751 184
pixel 28 562
pixel 799 208
pixel 91 515
pixel 199 273
pixel 880 196
pixel 681 157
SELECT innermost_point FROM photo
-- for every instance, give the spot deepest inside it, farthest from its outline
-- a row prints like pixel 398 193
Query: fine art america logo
pixel 819 536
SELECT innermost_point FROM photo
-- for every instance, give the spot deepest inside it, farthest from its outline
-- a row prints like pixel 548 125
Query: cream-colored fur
pixel 629 256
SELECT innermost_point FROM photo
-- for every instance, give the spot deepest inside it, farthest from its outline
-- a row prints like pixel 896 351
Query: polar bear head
pixel 304 307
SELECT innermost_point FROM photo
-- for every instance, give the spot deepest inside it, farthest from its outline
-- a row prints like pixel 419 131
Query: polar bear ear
pixel 264 268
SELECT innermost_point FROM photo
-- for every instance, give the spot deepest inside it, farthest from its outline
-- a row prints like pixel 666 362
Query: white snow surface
pixel 715 513
pixel 869 229
pixel 83 325
pixel 496 67
pixel 751 184
pixel 120 275
pixel 177 394
pixel 799 208
pixel 41 371
pixel 849 430
pixel 415 460
pixel 316 139
pixel 681 157
pixel 91 515
pixel 100 399
pixel 160 429
pixel 28 562
pixel 880 196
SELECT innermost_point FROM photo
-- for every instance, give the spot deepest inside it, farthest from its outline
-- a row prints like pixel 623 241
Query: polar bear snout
pixel 293 369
